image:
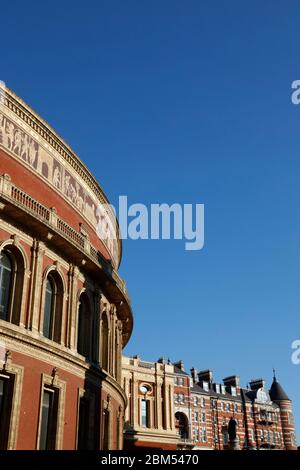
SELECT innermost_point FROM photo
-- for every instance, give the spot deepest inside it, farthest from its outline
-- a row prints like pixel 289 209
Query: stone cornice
pixel 23 341
pixel 23 112
pixel 66 239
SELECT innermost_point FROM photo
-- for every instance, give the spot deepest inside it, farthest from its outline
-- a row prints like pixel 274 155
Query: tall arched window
pixel 53 305
pixel 49 308
pixel 12 270
pixel 182 425
pixel 104 341
pixel 6 273
pixel 84 327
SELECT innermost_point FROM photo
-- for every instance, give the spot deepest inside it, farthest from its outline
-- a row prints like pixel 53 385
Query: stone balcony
pixel 44 222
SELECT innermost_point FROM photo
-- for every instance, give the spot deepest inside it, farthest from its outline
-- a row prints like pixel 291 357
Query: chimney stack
pixel 205 375
pixel 194 375
pixel 180 365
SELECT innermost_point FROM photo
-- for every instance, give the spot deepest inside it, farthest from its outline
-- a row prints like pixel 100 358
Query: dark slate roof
pixel 197 389
pixel 276 392
pixel 224 396
pixel 244 393
pixel 179 371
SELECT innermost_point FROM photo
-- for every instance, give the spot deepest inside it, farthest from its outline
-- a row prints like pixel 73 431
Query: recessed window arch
pixel 104 341
pixel 182 425
pixel 84 326
pixel 53 307
pixel 12 269
pixel 6 273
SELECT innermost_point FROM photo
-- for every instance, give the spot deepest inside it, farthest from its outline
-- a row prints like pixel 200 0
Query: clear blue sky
pixel 189 102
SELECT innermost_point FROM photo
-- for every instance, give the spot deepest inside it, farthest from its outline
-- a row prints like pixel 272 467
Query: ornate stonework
pixel 54 351
pixel 20 137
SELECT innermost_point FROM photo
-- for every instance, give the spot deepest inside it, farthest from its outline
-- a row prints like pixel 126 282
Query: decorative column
pixel 159 382
pixel 128 395
pixel 119 352
pixel 112 340
pixel 38 252
pixel 27 275
pixel 96 330
pixel 166 404
pixel 171 401
pixel 135 403
pixel 72 307
pixel 120 426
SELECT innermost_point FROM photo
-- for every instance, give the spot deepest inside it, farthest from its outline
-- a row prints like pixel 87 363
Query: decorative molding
pixel 39 249
pixel 29 139
pixel 53 381
pixel 20 340
pixel 17 372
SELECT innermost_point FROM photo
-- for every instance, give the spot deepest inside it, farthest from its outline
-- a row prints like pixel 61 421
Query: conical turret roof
pixel 276 391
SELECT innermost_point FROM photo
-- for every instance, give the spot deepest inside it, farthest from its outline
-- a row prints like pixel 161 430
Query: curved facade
pixel 65 313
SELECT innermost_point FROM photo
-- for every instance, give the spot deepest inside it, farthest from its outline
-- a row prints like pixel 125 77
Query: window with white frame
pixel 49 418
pixel 145 413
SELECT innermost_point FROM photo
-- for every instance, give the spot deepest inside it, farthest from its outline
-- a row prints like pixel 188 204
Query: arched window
pixel 182 425
pixel 52 321
pixel 49 308
pixel 6 273
pixel 84 327
pixel 104 341
pixel 11 284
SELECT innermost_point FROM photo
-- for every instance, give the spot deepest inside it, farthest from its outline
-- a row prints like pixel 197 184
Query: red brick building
pixel 204 408
pixel 170 409
pixel 65 314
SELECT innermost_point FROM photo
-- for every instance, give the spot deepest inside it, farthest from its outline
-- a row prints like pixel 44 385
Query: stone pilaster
pixel 38 252
pixel 97 328
pixel 72 307
pixel 159 383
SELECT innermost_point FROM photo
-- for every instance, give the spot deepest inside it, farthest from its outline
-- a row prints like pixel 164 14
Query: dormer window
pixel 233 391
pixel 205 386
